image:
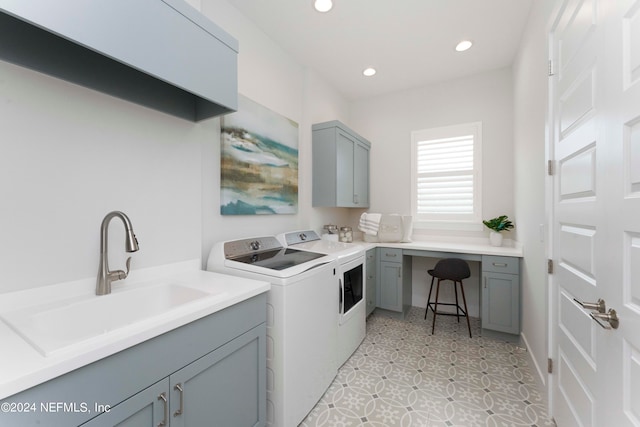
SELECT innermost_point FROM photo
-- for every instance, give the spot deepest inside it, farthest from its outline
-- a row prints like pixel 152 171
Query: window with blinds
pixel 446 174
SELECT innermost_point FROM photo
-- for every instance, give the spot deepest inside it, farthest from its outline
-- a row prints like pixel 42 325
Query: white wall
pixel 70 155
pixel 269 76
pixel 388 121
pixel 530 102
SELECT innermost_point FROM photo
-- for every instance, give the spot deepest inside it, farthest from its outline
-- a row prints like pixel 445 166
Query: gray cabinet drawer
pixel 371 255
pixel 390 254
pixel 501 264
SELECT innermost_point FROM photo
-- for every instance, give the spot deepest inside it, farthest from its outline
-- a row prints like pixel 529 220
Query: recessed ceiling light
pixel 323 5
pixel 369 72
pixel 463 45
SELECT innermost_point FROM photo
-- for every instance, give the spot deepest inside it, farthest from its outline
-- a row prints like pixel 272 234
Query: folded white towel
pixel 369 223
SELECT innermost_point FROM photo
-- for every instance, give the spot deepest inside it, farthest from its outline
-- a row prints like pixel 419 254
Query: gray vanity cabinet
pixel 371 272
pixel 340 166
pixel 211 372
pixel 501 294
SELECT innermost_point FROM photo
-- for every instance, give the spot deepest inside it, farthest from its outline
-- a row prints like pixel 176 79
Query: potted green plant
pixel 497 225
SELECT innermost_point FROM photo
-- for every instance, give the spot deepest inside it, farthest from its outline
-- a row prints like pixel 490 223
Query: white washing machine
pixel 301 329
pixel 352 310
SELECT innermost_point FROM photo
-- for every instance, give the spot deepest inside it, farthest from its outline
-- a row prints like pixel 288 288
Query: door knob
pixel 611 316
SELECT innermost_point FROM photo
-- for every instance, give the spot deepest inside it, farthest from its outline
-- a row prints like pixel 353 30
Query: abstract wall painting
pixel 258 161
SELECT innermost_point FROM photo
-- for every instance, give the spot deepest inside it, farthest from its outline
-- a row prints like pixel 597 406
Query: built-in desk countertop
pixel 500 281
pixel 475 248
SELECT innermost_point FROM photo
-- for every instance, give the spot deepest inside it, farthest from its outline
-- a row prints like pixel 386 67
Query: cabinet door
pixel 149 408
pixel 224 388
pixel 390 286
pixel 501 302
pixel 361 175
pixel 345 148
pixel 371 280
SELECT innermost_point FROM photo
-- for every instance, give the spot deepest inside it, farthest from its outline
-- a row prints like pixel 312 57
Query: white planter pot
pixel 495 238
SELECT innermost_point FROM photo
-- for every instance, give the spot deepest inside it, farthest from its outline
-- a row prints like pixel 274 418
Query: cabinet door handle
pixel 179 388
pixel 163 397
pixel 485 282
pixel 399 273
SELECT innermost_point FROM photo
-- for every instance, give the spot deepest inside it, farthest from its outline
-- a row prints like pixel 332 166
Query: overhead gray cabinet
pixel 340 166
pixel 501 294
pixel 159 53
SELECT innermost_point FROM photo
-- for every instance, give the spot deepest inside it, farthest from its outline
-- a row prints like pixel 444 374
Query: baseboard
pixel 541 377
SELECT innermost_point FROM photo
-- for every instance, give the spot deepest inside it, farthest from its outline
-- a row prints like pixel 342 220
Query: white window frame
pixel 447 221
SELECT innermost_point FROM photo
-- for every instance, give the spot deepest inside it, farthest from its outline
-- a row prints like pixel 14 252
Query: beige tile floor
pixel 403 376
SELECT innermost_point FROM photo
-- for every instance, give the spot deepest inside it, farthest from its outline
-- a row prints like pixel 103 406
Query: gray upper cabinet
pixel 340 166
pixel 159 53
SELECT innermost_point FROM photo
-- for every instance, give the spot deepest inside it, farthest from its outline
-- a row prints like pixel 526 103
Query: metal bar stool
pixel 456 270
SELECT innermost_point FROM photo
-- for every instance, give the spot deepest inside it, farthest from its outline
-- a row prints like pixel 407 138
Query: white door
pixel 595 144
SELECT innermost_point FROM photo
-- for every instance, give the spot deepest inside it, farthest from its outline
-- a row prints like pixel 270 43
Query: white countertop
pixel 465 246
pixel 22 366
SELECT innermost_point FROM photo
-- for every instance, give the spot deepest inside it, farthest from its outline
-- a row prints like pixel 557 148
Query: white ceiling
pixel 410 42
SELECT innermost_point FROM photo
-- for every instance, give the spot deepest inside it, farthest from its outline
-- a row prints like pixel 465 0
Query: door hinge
pixel 550 266
pixel 550 167
pixel 551 71
pixel 550 365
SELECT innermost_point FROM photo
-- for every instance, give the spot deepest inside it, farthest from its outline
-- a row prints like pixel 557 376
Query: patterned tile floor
pixel 403 376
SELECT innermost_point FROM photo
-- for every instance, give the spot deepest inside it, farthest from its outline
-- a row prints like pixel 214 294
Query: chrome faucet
pixel 105 277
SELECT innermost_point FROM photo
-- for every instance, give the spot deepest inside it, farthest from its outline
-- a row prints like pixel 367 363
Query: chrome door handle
pixel 163 397
pixel 611 316
pixel 598 305
pixel 180 410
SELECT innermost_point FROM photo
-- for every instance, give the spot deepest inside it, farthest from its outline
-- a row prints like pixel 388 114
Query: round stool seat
pixel 451 269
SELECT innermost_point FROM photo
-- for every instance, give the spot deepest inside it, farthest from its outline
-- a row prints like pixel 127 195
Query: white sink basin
pixel 55 326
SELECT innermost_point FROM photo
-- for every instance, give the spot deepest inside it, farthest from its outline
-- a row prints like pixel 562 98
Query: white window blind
pixel 446 174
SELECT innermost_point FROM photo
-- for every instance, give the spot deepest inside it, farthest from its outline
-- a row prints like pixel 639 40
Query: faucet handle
pixel 128 267
pixel 123 274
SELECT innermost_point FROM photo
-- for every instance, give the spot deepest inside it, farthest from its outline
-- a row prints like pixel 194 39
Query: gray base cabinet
pixel 340 166
pixel 371 277
pixel 501 294
pixel 393 288
pixel 211 372
pixel 143 409
pixel 214 390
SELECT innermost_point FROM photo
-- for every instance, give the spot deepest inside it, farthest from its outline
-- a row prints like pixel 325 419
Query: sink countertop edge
pixel 23 367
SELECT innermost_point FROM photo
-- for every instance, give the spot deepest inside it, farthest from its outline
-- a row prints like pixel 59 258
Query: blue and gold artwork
pixel 258 162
